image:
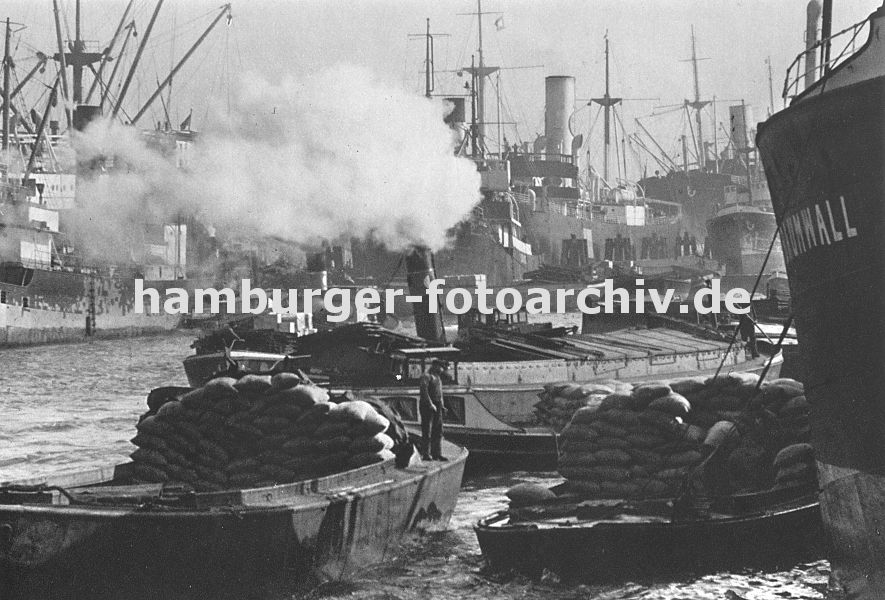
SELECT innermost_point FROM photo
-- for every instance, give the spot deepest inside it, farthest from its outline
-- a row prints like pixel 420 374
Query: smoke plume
pixel 335 154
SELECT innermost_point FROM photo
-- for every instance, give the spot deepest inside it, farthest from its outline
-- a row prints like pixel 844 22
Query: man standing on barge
pixel 430 408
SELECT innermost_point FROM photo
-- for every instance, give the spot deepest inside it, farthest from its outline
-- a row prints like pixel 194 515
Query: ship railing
pixel 801 74
pixel 533 156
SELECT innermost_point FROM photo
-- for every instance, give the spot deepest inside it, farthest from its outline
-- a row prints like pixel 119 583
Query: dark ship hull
pixel 39 306
pixel 824 158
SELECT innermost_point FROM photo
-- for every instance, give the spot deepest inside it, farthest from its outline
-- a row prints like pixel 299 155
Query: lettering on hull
pixel 822 224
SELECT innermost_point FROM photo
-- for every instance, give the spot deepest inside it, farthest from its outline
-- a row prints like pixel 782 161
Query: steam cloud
pixel 335 154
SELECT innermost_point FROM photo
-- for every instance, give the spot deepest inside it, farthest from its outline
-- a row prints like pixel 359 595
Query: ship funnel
pixel 559 106
pixel 813 12
pixel 419 274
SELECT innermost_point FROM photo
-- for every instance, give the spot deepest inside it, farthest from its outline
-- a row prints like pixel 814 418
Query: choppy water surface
pixel 73 406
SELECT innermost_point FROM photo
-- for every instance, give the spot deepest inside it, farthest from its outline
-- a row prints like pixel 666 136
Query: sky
pixel 278 39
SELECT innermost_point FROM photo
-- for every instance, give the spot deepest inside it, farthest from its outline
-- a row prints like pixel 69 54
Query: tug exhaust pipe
pixel 419 274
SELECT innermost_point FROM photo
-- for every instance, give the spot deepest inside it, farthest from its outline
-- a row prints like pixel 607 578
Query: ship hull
pixel 824 157
pixel 45 307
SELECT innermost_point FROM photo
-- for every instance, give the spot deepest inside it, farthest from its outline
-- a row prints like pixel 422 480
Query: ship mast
pixel 480 71
pixel 608 103
pixel 697 104
pixel 6 95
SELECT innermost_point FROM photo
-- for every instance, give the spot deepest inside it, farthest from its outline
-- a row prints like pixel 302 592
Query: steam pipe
pixel 826 30
pixel 812 18
pixel 419 273
pixel 224 10
pixel 144 40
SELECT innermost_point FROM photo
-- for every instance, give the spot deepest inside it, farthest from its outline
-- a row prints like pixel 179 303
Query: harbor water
pixel 75 406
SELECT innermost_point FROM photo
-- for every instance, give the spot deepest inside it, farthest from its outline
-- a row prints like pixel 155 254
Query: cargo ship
pixel 50 290
pixel 538 207
pixel 823 157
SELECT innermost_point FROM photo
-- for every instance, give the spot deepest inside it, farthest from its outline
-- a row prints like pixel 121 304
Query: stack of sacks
pixel 529 494
pixel 795 466
pixel 631 445
pixel 643 444
pixel 560 401
pixel 256 431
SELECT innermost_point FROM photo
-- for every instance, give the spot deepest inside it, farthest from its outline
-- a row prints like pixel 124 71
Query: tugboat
pixel 823 157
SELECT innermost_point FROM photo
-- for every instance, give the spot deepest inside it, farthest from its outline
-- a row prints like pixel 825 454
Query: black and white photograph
pixel 442 299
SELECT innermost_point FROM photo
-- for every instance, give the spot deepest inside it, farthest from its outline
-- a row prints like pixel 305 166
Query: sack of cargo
pixel 607 473
pixel 210 474
pixel 795 453
pixel 224 406
pixel 149 473
pixel 331 463
pixel 644 440
pixel 661 423
pixel 616 401
pixel 672 404
pixel 584 487
pixel 244 480
pixel 298 446
pixel 687 458
pixel 173 457
pixel 284 381
pixel 688 386
pixel 578 432
pixel 782 389
pixel 220 387
pixel 375 443
pixel 153 426
pixel 576 472
pixel 611 458
pixel 726 402
pixel 374 423
pixel 180 473
pixel 607 442
pixel 277 473
pixel 798 471
pixel 246 465
pixel 179 443
pixel 302 396
pixel 301 465
pixel 619 489
pixel 255 384
pixel 720 433
pixel 368 458
pixel 149 457
pixel 196 399
pixel 620 418
pixel 332 445
pixel 201 485
pixel 645 457
pixel 272 425
pixel 290 412
pixel 584 416
pixel 646 392
pixel 795 407
pixel 160 396
pixel 673 474
pixel 572 391
pixel 170 411
pixel 649 487
pixel 578 446
pixel 331 429
pixel 695 434
pixel 151 442
pixel 527 494
pixel 606 429
pixel 577 459
pixel 213 451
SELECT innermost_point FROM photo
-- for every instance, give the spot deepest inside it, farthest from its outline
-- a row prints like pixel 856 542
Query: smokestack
pixel 813 17
pixel 558 107
pixel 419 274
